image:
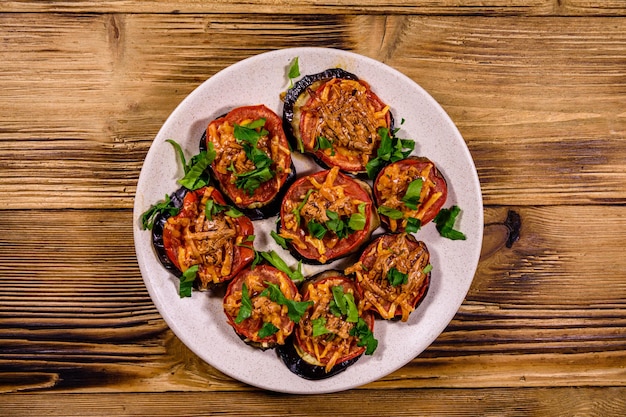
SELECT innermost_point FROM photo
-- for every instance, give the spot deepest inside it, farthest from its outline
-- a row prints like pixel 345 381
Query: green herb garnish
pixel 445 220
pixel 165 207
pixel 267 330
pixel 281 241
pixel 277 262
pixel 248 136
pixel 319 327
pixel 396 277
pixel 187 280
pixel 296 211
pixel 324 143
pixel 343 304
pixel 245 310
pixel 295 309
pixel 196 174
pixel 212 208
pixel 427 269
pixel 391 149
pixel 412 196
pixel 413 225
pixel 390 212
pixel 365 336
pixel 294 71
pixel 316 229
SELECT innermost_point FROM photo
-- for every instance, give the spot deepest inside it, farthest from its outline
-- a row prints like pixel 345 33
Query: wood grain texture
pixel 552 402
pixel 76 315
pixel 550 92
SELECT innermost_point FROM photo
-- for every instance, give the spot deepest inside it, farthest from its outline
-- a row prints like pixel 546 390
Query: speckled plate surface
pixel 199 321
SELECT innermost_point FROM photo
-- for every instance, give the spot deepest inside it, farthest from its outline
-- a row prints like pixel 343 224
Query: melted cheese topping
pixel 210 244
pixel 393 185
pixel 230 153
pixel 264 310
pixel 347 117
pixel 378 292
pixel 325 196
pixel 326 349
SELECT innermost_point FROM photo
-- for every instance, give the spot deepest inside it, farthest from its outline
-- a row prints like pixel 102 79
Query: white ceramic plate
pixel 199 321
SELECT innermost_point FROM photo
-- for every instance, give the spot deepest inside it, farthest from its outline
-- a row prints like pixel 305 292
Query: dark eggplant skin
pixel 292 359
pixel 300 87
pixel 269 210
pixel 291 97
pixel 177 198
pixel 303 369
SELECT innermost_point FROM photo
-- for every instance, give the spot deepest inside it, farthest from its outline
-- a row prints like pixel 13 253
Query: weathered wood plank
pixel 83 98
pixel 75 315
pixel 432 402
pixel 274 7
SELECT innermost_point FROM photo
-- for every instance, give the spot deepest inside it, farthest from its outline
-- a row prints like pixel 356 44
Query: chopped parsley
pixel 293 71
pixel 392 213
pixel 391 149
pixel 341 226
pixel 396 277
pixel 212 208
pixel 245 310
pixel 295 309
pixel 324 143
pixel 164 207
pixel 267 330
pixel 366 338
pixel 248 136
pixel 277 262
pixel 196 174
pixel 445 220
pixel 412 196
pixel 187 280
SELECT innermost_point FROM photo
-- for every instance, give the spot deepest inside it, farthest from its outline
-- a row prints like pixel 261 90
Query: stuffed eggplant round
pixel 327 215
pixel 409 192
pixel 334 331
pixel 259 305
pixel 252 164
pixel 337 118
pixel 206 233
pixel 394 273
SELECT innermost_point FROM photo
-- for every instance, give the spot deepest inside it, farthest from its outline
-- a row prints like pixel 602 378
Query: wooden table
pixel 537 89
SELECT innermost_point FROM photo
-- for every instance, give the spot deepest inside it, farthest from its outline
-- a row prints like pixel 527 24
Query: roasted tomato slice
pixel 409 190
pixel 257 306
pixel 327 215
pixel 215 239
pixel 252 157
pixel 336 117
pixel 394 273
pixel 334 332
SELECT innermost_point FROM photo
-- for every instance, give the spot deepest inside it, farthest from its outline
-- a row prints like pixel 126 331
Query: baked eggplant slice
pixel 336 117
pixel 207 234
pixel 334 331
pixel 326 216
pixel 394 274
pixel 409 193
pixel 252 164
pixel 262 305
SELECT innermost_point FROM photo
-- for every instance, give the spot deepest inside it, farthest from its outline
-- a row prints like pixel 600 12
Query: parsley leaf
pixel 164 207
pixel 391 149
pixel 294 71
pixel 277 262
pixel 396 277
pixel 357 220
pixel 427 269
pixel 296 211
pixel 412 196
pixel 248 136
pixel 295 309
pixel 413 225
pixel 196 174
pixel 325 143
pixel 316 229
pixel 319 327
pixel 267 330
pixel 365 336
pixel 281 241
pixel 445 220
pixel 343 304
pixel 245 310
pixel 187 280
pixel 390 212
pixel 212 208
